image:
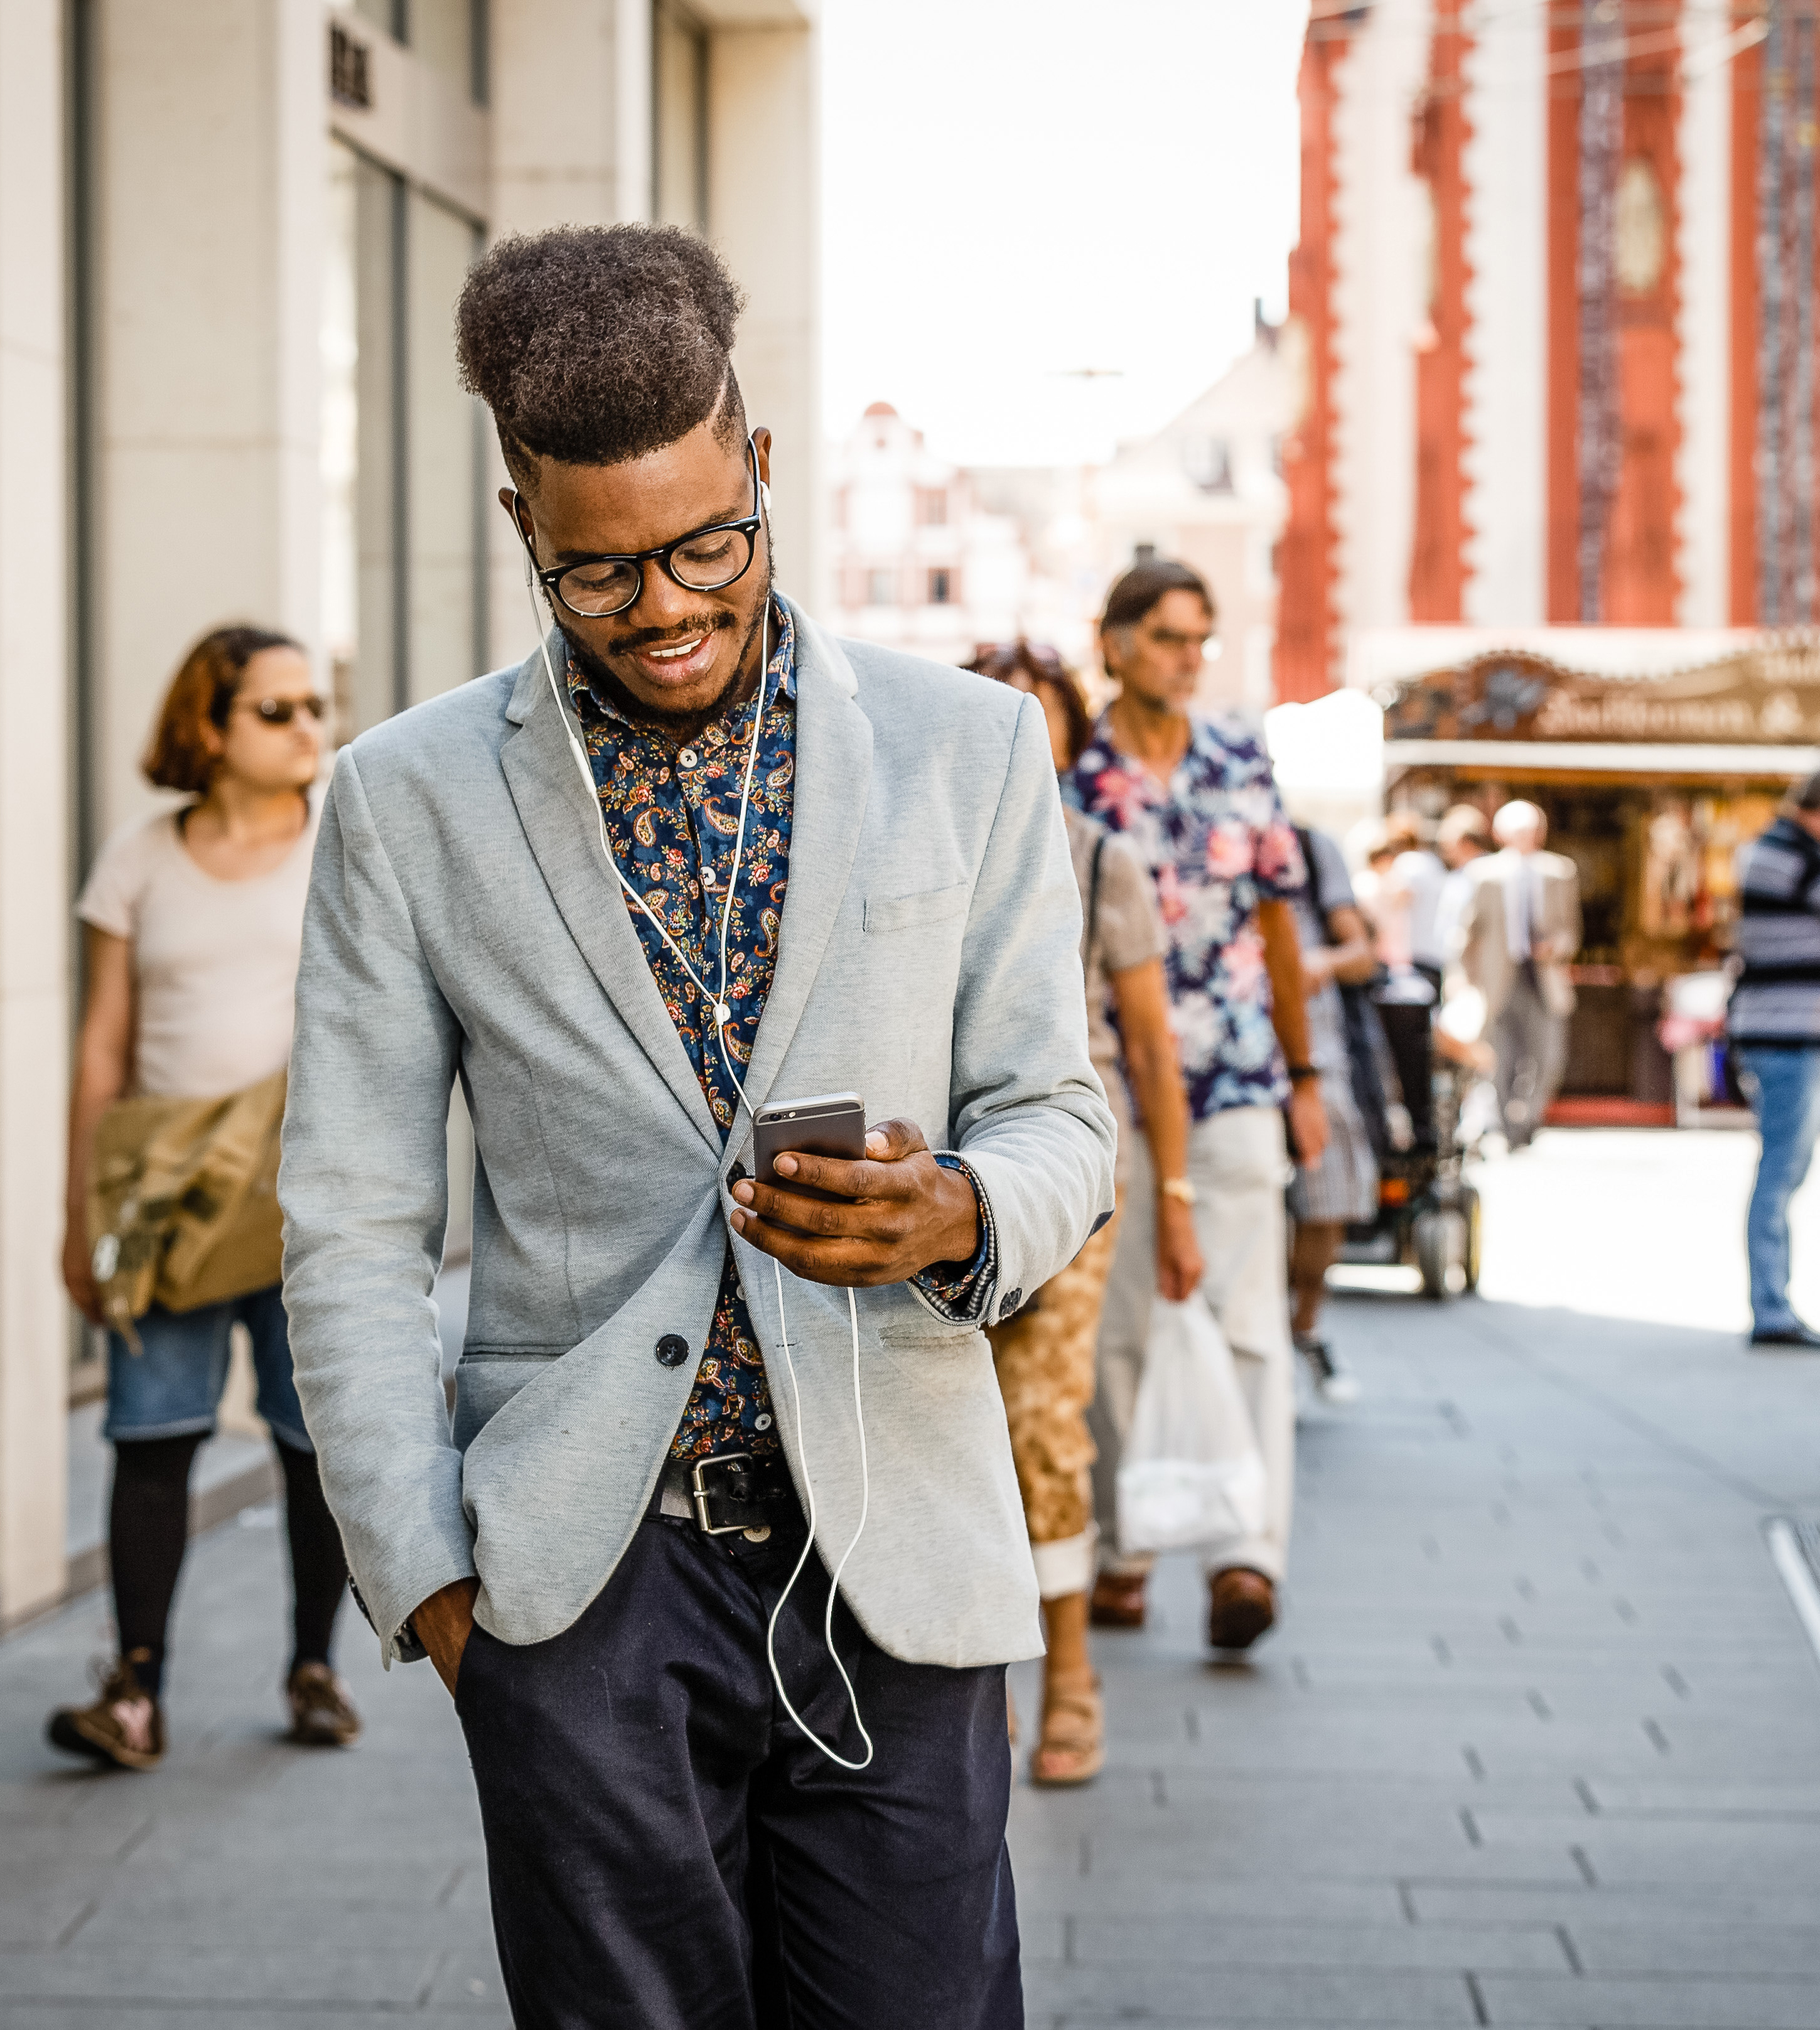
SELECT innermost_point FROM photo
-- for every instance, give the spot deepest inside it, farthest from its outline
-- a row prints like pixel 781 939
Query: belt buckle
pixel 702 1494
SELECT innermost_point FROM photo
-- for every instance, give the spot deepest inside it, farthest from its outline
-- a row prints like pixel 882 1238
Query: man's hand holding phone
pixel 889 1216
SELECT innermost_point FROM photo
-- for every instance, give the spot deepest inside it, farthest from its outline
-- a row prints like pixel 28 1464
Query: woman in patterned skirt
pixel 1045 1355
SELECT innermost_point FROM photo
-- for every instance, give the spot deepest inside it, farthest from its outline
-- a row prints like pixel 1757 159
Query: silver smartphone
pixel 832 1123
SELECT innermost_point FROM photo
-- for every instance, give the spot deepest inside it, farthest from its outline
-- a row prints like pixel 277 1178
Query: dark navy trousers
pixel 666 1851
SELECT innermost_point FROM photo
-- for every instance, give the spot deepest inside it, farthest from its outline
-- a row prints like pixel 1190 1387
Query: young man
pixel 1774 1025
pixel 1198 800
pixel 702 858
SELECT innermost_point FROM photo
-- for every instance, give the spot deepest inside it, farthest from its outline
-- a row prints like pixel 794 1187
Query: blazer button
pixel 672 1350
pixel 1012 1300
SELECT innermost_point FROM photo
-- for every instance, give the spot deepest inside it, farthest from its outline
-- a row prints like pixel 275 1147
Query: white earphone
pixel 723 1014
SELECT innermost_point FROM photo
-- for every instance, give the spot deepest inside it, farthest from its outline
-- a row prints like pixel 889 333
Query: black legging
pixel 148 1529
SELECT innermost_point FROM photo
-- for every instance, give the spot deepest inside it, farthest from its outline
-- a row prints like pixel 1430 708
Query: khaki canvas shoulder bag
pixel 183 1203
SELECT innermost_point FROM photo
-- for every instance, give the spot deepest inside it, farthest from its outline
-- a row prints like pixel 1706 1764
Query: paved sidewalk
pixel 1538 1742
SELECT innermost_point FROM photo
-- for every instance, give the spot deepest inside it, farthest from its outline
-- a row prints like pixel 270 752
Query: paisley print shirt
pixel 1217 841
pixel 672 816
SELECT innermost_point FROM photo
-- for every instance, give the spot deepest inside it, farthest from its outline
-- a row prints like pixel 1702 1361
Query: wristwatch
pixel 1182 1189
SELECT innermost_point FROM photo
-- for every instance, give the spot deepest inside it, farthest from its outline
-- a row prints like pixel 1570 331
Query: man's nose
pixel 661 602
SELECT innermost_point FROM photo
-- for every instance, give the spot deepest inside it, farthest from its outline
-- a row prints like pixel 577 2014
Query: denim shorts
pixel 175 1386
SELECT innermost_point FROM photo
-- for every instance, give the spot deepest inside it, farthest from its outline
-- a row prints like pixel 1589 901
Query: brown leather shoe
pixel 1118 1600
pixel 1241 1605
pixel 124 1726
pixel 322 1715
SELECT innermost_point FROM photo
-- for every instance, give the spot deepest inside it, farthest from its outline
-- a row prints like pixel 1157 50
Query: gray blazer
pixel 462 924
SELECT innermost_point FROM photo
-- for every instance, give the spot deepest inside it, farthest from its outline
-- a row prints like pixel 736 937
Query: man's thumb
pixel 891 1141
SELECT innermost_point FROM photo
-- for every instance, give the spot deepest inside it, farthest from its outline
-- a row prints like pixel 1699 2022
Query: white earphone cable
pixel 723 1014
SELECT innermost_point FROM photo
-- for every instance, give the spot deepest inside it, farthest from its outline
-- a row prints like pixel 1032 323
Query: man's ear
pixel 761 446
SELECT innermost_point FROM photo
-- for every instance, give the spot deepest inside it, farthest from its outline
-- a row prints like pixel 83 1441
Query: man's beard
pixel 675 725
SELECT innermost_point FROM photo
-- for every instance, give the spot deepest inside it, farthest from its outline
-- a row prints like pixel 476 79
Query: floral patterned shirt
pixel 672 815
pixel 1217 841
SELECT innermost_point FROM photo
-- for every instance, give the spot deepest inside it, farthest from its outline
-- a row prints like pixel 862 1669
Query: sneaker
pixel 124 1726
pixel 1333 1383
pixel 322 1715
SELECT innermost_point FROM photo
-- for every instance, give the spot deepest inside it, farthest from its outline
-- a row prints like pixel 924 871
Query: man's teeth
pixel 670 655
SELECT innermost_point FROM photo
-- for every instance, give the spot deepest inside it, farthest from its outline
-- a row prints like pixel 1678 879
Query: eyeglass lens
pixel 704 563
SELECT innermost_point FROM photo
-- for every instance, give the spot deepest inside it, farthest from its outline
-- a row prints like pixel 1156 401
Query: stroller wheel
pixel 1441 1241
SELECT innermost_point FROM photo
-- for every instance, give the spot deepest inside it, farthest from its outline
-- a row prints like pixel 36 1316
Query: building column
pixel 764 211
pixel 1505 419
pixel 207 136
pixel 35 723
pixel 570 92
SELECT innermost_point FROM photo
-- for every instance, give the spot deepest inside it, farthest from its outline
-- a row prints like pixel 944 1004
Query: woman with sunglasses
pixel 193 920
pixel 1044 1356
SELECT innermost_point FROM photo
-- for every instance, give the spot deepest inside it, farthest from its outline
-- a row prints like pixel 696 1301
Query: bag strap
pixel 1314 867
pixel 1093 895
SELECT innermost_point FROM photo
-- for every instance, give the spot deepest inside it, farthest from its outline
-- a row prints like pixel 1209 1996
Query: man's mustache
pixel 659 637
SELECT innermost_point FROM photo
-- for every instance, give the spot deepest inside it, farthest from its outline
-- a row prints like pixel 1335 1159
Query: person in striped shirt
pixel 1774 1026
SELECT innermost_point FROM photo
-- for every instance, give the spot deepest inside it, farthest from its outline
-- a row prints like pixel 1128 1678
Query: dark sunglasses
pixel 1000 659
pixel 281 711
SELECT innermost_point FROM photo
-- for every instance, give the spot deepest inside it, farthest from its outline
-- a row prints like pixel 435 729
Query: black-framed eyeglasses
pixel 281 711
pixel 703 560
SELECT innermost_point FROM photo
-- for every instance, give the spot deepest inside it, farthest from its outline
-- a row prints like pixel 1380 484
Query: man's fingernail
pixel 738 1222
pixel 875 1145
pixel 785 1166
pixel 743 1192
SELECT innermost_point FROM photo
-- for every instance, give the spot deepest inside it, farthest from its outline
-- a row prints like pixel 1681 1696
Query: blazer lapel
pixel 833 776
pixel 559 821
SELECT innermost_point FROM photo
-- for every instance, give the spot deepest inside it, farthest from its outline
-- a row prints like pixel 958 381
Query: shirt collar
pixel 779 677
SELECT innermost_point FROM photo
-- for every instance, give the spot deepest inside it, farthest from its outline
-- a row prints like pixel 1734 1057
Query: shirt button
pixel 707 877
pixel 672 1350
pixel 762 1423
pixel 687 757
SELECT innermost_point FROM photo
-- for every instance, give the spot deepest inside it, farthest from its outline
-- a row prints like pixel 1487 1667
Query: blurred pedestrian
pixel 1415 877
pixel 1401 895
pixel 1773 1023
pixel 1044 1356
pixel 1518 929
pixel 193 919
pixel 1197 798
pixel 1463 836
pixel 1329 1195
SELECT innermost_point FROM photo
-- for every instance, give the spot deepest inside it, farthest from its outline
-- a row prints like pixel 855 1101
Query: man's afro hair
pixel 592 344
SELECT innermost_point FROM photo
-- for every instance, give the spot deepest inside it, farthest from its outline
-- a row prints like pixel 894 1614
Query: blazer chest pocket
pixel 485 1382
pixel 910 913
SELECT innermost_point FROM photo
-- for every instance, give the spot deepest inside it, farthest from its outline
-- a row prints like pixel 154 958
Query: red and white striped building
pixel 1557 300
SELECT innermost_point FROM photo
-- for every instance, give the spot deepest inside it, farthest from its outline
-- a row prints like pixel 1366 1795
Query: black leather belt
pixel 730 1492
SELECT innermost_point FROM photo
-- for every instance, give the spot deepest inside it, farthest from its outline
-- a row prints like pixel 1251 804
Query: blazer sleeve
pixel 1029 1112
pixel 364 1187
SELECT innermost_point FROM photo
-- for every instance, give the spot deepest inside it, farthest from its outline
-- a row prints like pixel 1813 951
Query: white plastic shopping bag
pixel 1191 1472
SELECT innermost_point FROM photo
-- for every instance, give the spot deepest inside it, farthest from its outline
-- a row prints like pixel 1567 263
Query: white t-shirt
pixel 215 963
pixel 1419 876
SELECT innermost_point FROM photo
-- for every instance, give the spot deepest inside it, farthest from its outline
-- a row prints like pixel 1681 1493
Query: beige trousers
pixel 1044 1359
pixel 1239 1163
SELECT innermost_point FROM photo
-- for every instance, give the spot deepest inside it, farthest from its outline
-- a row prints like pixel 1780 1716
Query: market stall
pixel 1655 753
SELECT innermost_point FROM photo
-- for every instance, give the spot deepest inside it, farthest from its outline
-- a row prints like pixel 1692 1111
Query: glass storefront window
pixel 403 557
pixel 447 617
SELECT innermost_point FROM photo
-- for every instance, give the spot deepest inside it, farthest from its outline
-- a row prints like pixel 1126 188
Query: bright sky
pixel 1013 190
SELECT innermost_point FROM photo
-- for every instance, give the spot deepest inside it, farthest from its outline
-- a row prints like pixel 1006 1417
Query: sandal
pixel 1073 1731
